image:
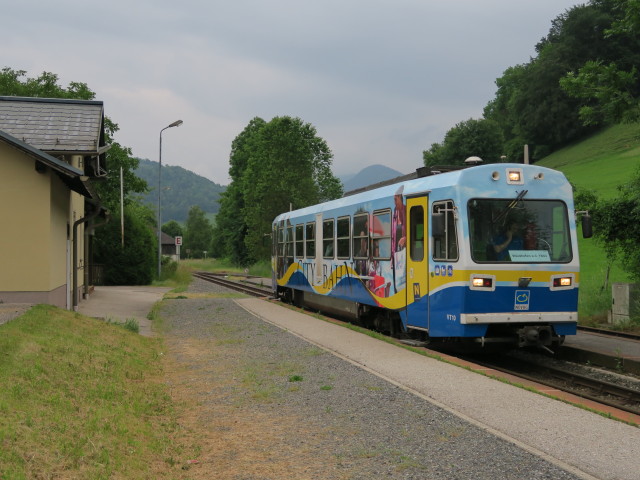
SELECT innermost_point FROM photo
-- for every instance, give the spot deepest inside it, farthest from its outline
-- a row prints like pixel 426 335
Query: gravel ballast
pixel 273 406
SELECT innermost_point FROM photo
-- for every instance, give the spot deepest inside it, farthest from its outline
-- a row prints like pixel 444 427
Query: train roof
pixel 412 185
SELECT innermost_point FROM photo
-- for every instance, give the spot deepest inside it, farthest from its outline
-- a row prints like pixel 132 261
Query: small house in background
pixel 169 247
pixel 51 150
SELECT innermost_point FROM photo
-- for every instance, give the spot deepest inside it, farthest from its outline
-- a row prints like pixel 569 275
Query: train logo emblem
pixel 522 300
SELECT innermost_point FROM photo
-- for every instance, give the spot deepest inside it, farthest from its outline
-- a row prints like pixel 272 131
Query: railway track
pixel 610 333
pixel 580 384
pixel 588 387
pixel 249 289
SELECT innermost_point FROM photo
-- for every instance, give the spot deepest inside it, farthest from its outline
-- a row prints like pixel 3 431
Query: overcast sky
pixel 380 80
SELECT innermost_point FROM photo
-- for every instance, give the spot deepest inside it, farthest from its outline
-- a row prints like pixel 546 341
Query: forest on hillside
pixel 583 77
pixel 181 190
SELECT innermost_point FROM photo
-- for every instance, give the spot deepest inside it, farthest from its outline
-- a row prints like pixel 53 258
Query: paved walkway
pixel 119 304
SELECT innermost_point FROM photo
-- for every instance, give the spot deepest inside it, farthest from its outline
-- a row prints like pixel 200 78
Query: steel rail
pixel 252 290
pixel 599 391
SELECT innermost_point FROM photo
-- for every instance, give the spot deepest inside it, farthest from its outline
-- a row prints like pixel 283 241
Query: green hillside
pixel 599 163
pixel 602 162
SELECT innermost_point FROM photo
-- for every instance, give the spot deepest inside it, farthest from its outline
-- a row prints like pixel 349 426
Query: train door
pixel 417 263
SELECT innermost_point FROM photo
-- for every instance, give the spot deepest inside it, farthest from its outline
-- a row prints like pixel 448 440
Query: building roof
pixel 71 176
pixel 55 125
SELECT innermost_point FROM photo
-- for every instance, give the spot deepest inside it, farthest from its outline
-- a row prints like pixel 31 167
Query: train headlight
pixel 483 282
pixel 514 176
pixel 562 282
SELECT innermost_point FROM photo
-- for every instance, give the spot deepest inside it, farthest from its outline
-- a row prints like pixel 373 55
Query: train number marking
pixel 451 318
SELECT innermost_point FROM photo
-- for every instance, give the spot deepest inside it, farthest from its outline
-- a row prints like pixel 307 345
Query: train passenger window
pixel 381 235
pixel 274 240
pixel 519 230
pixel 416 245
pixel 299 251
pixel 327 238
pixel 361 235
pixel 310 240
pixel 445 247
pixel 281 239
pixel 289 243
pixel 342 237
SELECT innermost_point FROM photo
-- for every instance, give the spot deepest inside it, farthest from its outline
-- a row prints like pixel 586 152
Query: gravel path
pixel 265 404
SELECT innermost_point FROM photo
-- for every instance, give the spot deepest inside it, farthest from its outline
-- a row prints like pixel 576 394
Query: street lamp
pixel 177 123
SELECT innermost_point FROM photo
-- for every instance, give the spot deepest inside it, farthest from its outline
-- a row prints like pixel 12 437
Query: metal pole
pixel 121 208
pixel 159 215
pixel 177 123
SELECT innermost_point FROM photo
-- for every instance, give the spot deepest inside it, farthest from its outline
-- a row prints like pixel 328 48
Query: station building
pixel 51 153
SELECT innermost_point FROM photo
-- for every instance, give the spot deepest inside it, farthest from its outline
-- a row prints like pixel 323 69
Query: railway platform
pixel 580 441
pixel 616 353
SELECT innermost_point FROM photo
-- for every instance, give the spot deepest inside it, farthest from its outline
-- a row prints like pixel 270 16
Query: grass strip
pixel 81 398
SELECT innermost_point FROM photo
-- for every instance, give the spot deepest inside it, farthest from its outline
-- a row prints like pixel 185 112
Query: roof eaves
pixel 74 178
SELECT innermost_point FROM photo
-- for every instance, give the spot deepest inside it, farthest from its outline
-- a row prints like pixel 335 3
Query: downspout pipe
pixel 77 223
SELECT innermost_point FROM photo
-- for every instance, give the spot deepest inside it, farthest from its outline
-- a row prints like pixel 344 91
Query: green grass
pixel 80 398
pixel 600 163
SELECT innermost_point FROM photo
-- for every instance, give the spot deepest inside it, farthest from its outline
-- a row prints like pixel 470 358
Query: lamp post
pixel 177 123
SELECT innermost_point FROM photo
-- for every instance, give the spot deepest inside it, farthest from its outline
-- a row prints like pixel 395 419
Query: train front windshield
pixel 519 231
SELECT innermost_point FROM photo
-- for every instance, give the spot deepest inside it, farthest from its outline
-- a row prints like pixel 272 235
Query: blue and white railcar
pixel 485 254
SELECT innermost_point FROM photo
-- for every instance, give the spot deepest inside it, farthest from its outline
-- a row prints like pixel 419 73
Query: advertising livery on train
pixel 486 254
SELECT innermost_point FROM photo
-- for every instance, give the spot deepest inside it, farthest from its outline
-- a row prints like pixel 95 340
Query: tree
pixel 287 163
pixel 273 166
pixel 231 227
pixel 173 228
pixel 45 86
pixel 608 87
pixel 482 138
pixel 198 232
pixel 135 263
pixel 617 225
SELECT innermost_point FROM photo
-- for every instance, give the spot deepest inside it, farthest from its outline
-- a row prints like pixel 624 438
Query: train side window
pixel 327 238
pixel 342 237
pixel 381 235
pixel 281 239
pixel 310 240
pixel 416 245
pixel 445 247
pixel 289 243
pixel 299 250
pixel 361 236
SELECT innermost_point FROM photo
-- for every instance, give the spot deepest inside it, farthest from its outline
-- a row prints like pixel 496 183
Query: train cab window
pixel 381 235
pixel 343 240
pixel 299 246
pixel 445 245
pixel 328 239
pixel 416 245
pixel 310 240
pixel 519 230
pixel 361 236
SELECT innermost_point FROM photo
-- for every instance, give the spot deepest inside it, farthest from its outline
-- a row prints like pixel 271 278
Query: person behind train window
pixel 511 239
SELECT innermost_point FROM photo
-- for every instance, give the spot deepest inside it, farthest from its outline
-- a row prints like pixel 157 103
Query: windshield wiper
pixel 511 205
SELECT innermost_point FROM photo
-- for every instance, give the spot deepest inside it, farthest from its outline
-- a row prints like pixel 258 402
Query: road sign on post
pixel 178 241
